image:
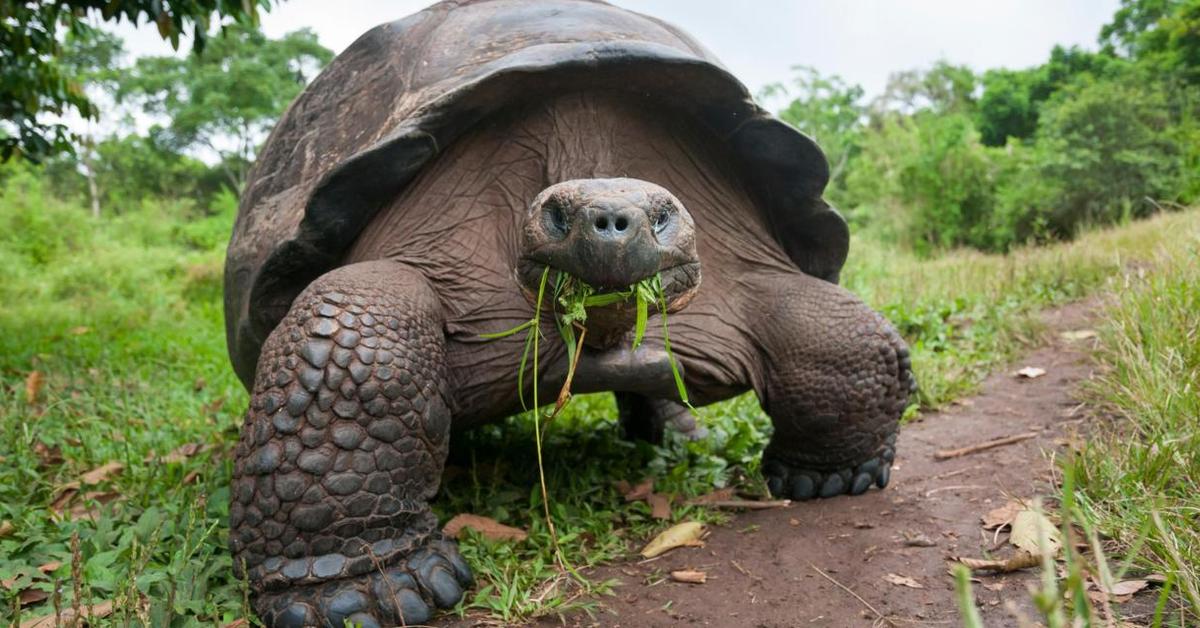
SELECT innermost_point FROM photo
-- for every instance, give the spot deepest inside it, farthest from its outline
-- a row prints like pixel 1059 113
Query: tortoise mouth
pixel 679 284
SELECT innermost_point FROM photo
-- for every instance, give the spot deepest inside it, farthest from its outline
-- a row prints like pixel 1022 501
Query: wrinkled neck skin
pixel 460 222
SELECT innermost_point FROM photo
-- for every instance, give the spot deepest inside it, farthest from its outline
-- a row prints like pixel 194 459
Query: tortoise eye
pixel 661 220
pixel 556 215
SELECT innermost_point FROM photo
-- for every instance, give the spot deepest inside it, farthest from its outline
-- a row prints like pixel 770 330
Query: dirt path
pixel 763 567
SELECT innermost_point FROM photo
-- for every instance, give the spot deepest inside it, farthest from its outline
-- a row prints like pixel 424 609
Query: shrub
pixel 1106 148
pixel 925 180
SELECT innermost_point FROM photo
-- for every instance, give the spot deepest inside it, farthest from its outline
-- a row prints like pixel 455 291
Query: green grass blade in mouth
pixel 521 368
pixel 508 332
pixel 639 327
pixel 607 298
pixel 661 299
pixel 646 292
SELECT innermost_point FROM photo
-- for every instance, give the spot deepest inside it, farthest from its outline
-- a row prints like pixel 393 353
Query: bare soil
pixel 766 567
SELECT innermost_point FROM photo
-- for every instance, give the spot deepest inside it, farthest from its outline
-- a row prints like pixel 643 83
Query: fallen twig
pixel 947 454
pixel 689 576
pixel 878 615
pixel 956 487
pixel 1022 560
pixel 745 504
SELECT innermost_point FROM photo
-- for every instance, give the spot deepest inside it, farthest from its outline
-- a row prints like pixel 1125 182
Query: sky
pixel 863 41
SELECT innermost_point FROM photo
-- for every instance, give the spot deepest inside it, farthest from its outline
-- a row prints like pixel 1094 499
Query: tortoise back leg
pixel 835 379
pixel 341 451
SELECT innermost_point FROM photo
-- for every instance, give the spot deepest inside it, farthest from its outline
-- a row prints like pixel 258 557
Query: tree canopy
pixel 226 98
pixel 946 157
pixel 36 85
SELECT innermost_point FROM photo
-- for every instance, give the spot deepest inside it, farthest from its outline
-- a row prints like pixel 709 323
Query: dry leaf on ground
pixel 1030 528
pixel 686 534
pixel 690 576
pixel 719 495
pixel 660 506
pixel 1120 592
pixel 489 528
pixel 181 453
pixel 28 597
pixel 65 494
pixel 1128 587
pixel 903 581
pixel 918 539
pixel 1019 561
pixel 48 455
pixel 1031 372
pixel 85 508
pixel 33 386
pixel 638 492
pixel 102 473
pixel 95 611
pixel 1078 334
pixel 1003 516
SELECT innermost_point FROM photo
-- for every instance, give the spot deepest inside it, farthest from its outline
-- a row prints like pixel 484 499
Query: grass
pixel 1140 476
pixel 965 313
pixel 121 319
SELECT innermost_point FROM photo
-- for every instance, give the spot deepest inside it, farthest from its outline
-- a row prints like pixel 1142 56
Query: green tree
pixel 926 181
pixel 1011 99
pixel 1106 147
pixel 943 88
pixel 33 81
pixel 91 58
pixel 226 98
pixel 134 168
pixel 829 111
pixel 1006 107
pixel 1133 30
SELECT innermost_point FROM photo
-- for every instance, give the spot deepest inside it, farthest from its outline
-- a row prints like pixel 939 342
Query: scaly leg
pixel 341 451
pixel 836 378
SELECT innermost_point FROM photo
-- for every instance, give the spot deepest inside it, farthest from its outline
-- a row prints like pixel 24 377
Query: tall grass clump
pixel 1140 476
pixel 965 312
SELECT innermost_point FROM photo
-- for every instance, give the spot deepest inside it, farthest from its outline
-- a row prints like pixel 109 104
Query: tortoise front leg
pixel 835 379
pixel 341 451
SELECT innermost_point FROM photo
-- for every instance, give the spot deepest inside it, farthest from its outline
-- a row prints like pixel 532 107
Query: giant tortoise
pixel 409 202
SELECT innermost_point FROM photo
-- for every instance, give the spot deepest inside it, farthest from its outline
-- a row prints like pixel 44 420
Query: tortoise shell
pixel 404 91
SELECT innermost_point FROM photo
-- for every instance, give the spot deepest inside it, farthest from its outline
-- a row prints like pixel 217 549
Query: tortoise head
pixel 611 234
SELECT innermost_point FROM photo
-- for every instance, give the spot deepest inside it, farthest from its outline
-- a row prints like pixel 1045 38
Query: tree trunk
pixel 89 170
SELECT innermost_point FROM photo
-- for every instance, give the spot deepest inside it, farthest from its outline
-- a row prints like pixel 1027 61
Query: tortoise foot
pixel 791 481
pixel 406 593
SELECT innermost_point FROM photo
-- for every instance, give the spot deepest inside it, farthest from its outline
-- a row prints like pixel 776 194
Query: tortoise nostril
pixel 602 222
pixel 621 223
